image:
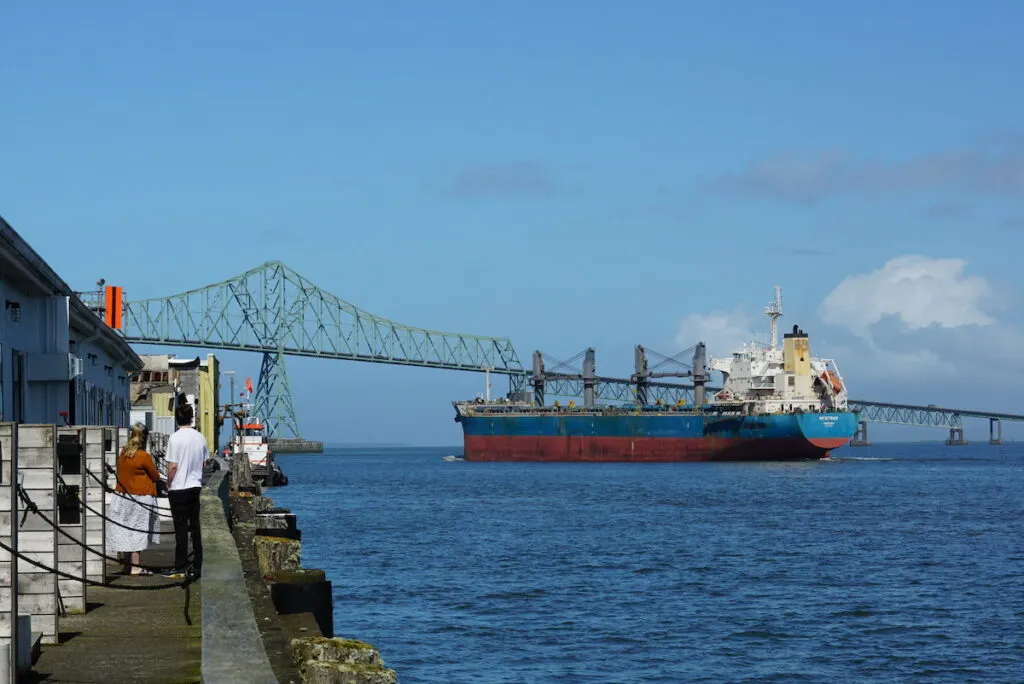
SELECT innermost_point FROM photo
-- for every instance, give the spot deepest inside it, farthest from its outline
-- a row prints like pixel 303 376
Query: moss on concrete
pixel 300 576
pixel 335 649
pixel 276 554
pixel 326 672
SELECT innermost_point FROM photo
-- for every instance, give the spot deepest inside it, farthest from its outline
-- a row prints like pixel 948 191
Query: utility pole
pixel 231 397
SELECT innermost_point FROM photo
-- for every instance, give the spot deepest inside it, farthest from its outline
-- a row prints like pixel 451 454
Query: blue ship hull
pixel 657 436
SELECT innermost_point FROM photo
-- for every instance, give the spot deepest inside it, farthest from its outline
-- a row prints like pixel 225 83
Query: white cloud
pixel 872 366
pixel 722 332
pixel 918 329
pixel 920 291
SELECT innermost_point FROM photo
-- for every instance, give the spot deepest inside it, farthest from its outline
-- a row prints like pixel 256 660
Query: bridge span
pixel 275 312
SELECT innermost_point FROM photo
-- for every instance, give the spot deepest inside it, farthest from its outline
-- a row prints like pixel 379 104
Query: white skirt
pixel 125 511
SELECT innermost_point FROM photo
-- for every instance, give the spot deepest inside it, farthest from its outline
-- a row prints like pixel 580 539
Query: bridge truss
pixel 275 311
pixel 929 416
pixel 902 414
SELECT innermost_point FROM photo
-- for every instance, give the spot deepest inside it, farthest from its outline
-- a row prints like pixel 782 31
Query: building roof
pixel 23 267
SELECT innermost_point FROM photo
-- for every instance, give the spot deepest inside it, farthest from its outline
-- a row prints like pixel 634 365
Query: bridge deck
pixel 963 413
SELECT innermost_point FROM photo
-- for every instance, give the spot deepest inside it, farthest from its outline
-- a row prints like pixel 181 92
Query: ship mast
pixel 774 312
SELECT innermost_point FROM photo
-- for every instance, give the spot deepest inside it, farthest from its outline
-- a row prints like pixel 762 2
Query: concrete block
pixel 274 554
pixel 277 521
pixel 340 661
pixel 304 591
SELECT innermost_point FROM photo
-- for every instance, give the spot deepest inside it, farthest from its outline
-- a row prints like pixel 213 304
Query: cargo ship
pixel 777 403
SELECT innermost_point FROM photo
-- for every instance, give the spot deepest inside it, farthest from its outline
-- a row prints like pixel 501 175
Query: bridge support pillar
pixel 273 400
pixel 995 431
pixel 956 437
pixel 860 437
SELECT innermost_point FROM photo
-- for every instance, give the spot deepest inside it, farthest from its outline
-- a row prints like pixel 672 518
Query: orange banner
pixel 112 314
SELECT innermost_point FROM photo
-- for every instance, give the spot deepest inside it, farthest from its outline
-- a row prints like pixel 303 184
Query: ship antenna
pixel 774 312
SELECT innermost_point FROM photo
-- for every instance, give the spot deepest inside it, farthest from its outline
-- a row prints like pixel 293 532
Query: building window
pixel 13 311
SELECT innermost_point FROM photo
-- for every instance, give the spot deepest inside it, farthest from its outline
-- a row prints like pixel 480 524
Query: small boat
pixel 249 439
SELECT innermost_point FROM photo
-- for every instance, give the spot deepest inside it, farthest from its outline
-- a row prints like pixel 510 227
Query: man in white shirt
pixel 186 454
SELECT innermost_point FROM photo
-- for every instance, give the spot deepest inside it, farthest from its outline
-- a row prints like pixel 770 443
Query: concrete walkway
pixel 129 636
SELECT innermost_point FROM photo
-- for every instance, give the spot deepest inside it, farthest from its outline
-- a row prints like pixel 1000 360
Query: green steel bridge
pixel 274 311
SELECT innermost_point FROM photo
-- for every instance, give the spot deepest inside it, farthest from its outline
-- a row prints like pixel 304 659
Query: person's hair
pixel 136 440
pixel 183 414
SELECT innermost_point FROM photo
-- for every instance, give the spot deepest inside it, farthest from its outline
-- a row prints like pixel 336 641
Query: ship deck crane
pixel 588 375
pixel 697 370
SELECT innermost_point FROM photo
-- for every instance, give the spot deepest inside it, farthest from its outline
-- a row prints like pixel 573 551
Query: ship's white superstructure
pixel 250 438
pixel 767 378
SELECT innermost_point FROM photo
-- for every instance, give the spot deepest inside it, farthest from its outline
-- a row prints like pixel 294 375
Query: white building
pixel 58 359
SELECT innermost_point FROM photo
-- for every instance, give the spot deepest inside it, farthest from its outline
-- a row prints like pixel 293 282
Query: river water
pixel 887 563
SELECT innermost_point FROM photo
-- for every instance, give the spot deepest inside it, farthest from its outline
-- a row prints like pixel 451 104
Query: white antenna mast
pixel 774 312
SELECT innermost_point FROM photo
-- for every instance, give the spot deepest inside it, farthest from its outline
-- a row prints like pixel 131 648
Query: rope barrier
pixel 32 507
pixel 189 579
pixel 119 524
pixel 111 520
pixel 186 584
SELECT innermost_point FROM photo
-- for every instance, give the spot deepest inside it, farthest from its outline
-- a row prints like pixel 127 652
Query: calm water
pixel 890 563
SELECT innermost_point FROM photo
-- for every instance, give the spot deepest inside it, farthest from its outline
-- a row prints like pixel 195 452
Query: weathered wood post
pixel 95 532
pixel 14 646
pixel 71 553
pixel 37 539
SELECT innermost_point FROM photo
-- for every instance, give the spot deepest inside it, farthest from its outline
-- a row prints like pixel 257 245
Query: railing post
pixel 95 529
pixel 15 634
pixel 37 539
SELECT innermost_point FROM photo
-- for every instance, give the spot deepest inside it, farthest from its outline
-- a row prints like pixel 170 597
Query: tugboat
pixel 249 439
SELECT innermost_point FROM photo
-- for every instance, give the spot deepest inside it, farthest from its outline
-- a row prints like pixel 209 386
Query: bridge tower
pixel 273 400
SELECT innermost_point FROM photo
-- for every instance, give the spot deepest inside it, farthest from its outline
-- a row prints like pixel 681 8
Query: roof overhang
pixel 23 267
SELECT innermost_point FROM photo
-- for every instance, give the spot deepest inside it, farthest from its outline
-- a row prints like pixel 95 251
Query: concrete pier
pixel 255 615
pixel 995 431
pixel 956 437
pixel 295 445
pixel 129 635
pixel 860 437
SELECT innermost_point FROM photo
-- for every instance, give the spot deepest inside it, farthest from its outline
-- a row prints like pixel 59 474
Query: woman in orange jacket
pixel 132 513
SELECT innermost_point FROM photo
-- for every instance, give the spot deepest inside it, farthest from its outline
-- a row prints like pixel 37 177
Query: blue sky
pixel 565 174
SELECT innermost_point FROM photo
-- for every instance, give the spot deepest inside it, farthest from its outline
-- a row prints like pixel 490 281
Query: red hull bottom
pixel 644 449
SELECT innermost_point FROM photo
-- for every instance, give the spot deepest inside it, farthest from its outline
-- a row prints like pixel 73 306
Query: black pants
pixel 185 511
